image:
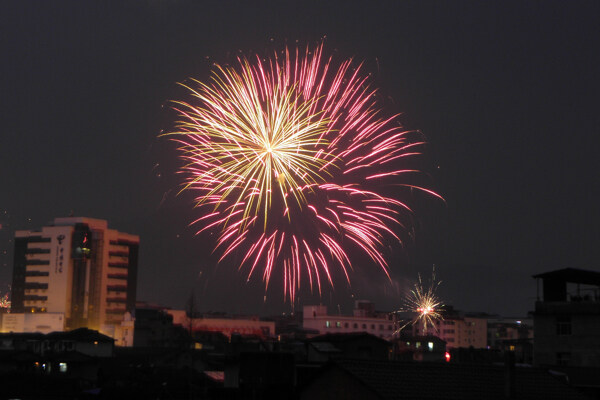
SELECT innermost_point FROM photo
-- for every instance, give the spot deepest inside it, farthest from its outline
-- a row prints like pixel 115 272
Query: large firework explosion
pixel 294 165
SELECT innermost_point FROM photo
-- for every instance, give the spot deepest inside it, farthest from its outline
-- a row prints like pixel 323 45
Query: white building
pixel 78 267
pixel 364 319
pixel 32 322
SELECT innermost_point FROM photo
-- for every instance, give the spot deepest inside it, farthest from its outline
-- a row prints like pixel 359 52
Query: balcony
pixel 34 297
pixel 118 264
pixel 36 285
pixel 36 273
pixel 567 307
pixel 37 251
pixel 117 276
pixel 116 288
pixel 116 311
pixel 121 300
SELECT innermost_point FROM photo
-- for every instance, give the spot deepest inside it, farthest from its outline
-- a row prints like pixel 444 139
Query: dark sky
pixel 507 94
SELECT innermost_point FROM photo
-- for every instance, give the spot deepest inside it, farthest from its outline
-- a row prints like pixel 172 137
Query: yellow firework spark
pixel 423 302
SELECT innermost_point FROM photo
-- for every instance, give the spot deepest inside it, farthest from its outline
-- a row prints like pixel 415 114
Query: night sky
pixel 507 94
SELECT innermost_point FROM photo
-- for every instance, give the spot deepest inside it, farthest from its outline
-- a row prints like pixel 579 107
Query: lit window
pixel 511 347
pixel 338 324
pixel 418 345
pixel 62 367
pixel 327 324
pixel 430 346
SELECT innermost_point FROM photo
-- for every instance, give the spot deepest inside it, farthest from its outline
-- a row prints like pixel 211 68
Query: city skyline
pixel 504 93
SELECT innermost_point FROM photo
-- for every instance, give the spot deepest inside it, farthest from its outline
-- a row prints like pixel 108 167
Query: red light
pixel 447 356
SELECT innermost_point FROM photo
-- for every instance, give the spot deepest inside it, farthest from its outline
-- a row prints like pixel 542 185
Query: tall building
pixel 78 267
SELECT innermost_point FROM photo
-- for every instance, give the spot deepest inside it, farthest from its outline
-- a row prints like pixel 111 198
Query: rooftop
pixel 572 275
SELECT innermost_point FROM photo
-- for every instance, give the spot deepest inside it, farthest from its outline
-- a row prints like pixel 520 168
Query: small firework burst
pixel 4 301
pixel 423 303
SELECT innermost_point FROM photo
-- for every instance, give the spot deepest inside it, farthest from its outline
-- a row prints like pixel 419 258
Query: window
pixel 389 327
pixel 327 324
pixel 62 367
pixel 448 330
pixel 381 327
pixel 355 325
pixel 372 326
pixel 345 324
pixel 418 345
pixel 338 324
pixel 563 325
pixel 364 326
pixel 430 346
pixel 563 359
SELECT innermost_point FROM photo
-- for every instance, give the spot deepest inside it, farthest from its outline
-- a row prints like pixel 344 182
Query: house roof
pixel 325 347
pixel 420 338
pixel 81 334
pixel 346 337
pixel 411 380
pixel 572 275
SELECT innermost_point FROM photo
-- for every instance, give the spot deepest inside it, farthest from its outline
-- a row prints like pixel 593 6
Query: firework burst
pixel 293 164
pixel 424 304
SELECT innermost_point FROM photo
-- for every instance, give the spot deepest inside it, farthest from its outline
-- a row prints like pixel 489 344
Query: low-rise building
pixel 419 348
pixel 227 325
pixel 501 330
pixel 370 379
pixel 364 319
pixel 359 345
pixel 82 340
pixel 32 322
pixel 456 329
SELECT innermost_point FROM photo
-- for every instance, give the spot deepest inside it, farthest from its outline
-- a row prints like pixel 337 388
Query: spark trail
pixel 295 166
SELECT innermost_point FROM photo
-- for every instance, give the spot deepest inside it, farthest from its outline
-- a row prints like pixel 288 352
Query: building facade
pixel 566 321
pixel 364 319
pixel 456 330
pixel 79 267
pixel 227 326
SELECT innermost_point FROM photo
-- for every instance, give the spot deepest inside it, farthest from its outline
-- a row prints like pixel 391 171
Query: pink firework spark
pixel 296 167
